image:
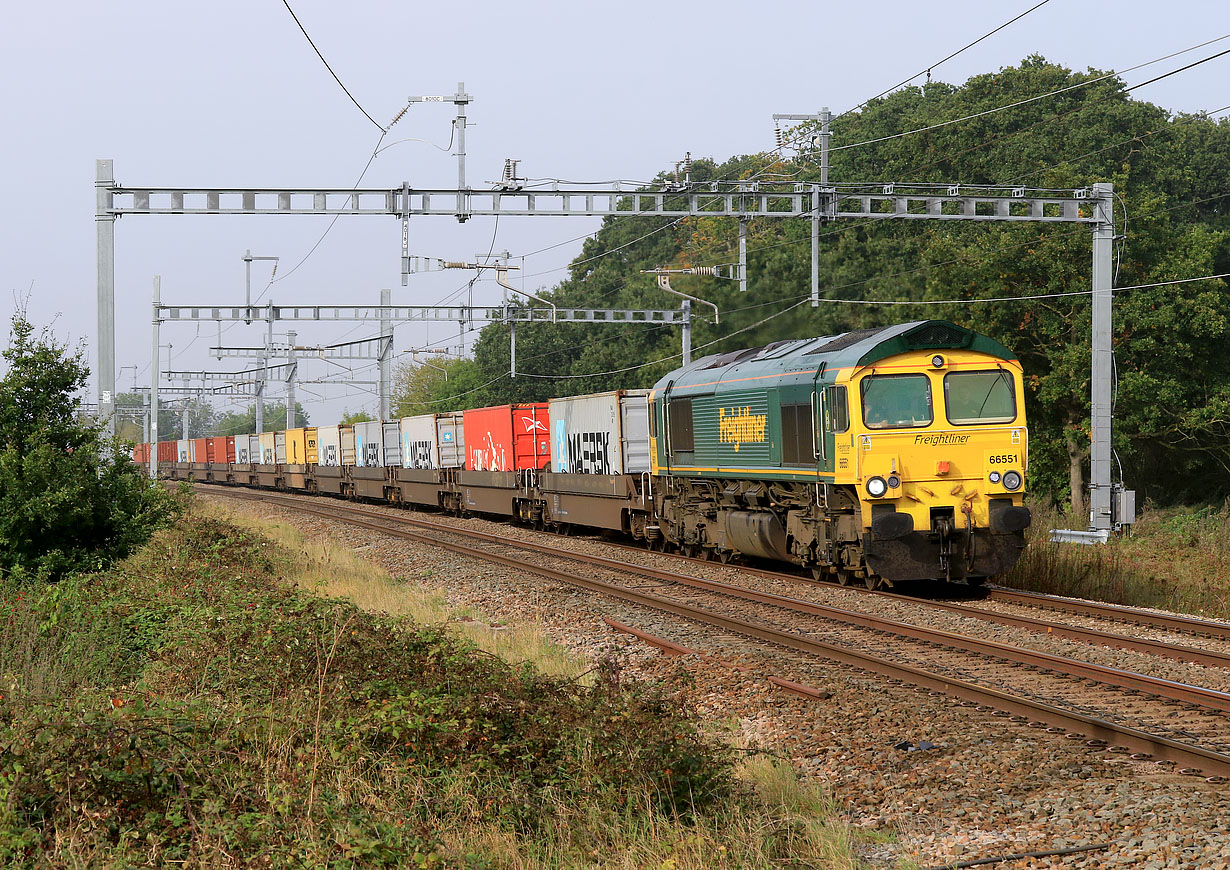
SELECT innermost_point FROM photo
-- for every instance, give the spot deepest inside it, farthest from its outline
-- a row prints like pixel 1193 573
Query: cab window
pixel 896 401
pixel 836 411
pixel 980 397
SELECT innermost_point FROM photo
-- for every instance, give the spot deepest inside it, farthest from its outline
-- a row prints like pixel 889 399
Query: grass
pixel 197 705
pixel 1175 558
pixel 324 567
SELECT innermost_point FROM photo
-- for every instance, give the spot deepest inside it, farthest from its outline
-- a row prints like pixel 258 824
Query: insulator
pixel 397 118
pixel 455 264
pixel 777 134
pixel 709 271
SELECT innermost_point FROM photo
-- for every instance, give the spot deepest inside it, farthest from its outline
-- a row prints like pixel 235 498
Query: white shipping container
pixel 279 448
pixel 602 433
pixel 418 442
pixel 242 447
pixel 369 444
pixel 254 449
pixel 183 451
pixel 348 441
pixel 391 432
pixel 328 446
pixel 268 449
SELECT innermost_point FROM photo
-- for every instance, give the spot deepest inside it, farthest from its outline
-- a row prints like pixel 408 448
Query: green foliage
pixel 444 385
pixel 349 418
pixel 216 715
pixel 1171 174
pixel 70 500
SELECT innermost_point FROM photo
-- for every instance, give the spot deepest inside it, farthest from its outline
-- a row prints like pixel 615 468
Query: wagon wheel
pixel 873 582
pixel 844 577
pixel 724 556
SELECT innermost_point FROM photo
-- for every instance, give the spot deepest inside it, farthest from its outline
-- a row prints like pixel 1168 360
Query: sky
pixel 231 94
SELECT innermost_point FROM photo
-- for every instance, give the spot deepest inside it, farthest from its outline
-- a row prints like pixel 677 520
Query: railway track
pixel 1124 711
pixel 1164 649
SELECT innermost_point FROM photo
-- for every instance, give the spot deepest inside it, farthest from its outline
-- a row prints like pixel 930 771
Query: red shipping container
pixel 222 449
pixel 166 451
pixel 200 449
pixel 507 437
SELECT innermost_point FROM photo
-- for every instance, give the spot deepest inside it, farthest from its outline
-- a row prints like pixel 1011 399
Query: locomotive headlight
pixel 993 477
pixel 876 487
pixel 893 481
pixel 937 361
pixel 1012 481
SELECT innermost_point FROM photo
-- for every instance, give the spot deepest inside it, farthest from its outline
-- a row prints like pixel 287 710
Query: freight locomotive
pixel 876 456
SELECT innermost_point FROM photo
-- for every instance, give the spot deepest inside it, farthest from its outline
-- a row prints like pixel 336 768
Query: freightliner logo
pixel 938 440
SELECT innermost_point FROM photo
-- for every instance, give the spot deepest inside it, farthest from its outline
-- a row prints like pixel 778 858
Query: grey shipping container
pixel 183 451
pixel 328 446
pixel 279 448
pixel 254 449
pixel 368 443
pixel 242 446
pixel 392 443
pixel 602 433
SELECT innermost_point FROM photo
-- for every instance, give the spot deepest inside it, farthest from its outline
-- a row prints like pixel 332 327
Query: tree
pixel 447 385
pixel 70 499
pixel 349 418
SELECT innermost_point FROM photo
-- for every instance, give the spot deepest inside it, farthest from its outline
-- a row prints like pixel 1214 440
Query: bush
pixel 70 499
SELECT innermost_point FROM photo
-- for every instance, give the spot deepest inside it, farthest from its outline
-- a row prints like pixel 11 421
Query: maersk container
pixel 268 447
pixel 349 452
pixel 369 444
pixel 329 446
pixel 507 437
pixel 392 443
pixel 183 450
pixel 433 441
pixel 602 433
pixel 451 439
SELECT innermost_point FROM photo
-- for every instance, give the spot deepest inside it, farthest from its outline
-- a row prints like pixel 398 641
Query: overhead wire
pixel 303 30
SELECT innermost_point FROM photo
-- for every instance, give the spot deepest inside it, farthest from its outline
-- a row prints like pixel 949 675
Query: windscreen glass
pixel 980 397
pixel 896 401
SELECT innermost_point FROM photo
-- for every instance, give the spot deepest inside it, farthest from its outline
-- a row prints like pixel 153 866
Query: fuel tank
pixel 757 533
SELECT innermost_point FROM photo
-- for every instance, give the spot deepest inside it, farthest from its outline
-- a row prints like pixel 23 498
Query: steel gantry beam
pixel 417 313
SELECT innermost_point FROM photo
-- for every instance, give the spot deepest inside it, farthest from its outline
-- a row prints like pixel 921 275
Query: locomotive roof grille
pixel 938 335
pixel 845 340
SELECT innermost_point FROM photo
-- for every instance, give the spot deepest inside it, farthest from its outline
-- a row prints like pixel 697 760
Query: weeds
pixel 192 707
pixel 1174 559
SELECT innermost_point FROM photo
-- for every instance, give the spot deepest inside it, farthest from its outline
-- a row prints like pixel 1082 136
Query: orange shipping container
pixel 507 437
